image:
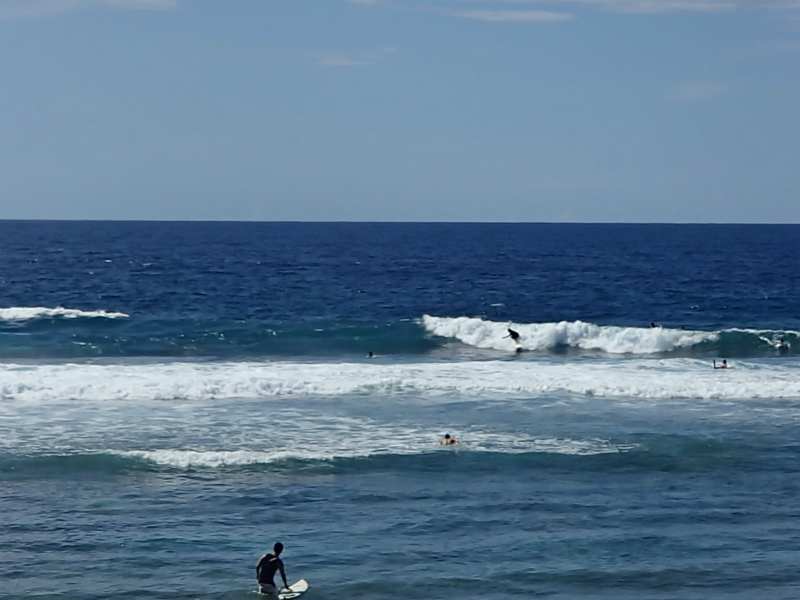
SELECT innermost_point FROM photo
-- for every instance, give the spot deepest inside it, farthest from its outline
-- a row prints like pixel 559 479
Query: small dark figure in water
pixel 513 335
pixel 724 364
pixel 370 355
pixel 447 440
pixel 783 346
pixel 653 324
pixel 266 568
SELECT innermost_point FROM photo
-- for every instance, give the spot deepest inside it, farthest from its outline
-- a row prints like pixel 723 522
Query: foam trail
pixel 575 334
pixel 633 378
pixel 29 313
pixel 327 450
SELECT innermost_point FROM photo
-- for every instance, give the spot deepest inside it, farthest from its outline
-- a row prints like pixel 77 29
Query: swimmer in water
pixel 447 440
pixel 724 364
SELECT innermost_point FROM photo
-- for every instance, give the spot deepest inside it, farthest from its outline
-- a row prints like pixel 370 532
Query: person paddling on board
pixel 265 571
pixel 447 440
pixel 724 364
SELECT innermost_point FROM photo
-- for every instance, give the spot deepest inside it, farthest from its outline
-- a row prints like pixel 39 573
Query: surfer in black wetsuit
pixel 266 568
pixel 724 364
pixel 515 338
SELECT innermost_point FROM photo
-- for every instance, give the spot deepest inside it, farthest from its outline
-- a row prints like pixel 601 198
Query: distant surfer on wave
pixel 447 440
pixel 724 364
pixel 265 571
pixel 515 338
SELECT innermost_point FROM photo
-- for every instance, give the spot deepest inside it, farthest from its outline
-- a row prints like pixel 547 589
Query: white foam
pixel 185 459
pixel 630 378
pixel 327 448
pixel 767 332
pixel 576 334
pixel 28 313
pixel 244 432
pixel 489 442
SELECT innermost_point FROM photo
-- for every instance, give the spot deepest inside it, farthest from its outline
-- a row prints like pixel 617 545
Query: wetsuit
pixel 266 568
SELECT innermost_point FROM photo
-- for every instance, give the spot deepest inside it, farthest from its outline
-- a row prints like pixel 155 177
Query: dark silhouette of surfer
pixel 266 568
pixel 724 364
pixel 515 338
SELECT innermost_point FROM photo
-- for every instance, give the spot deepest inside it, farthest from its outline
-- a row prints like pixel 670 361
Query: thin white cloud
pixel 341 59
pixel 779 48
pixel 31 9
pixel 663 6
pixel 513 16
pixel 626 6
pixel 144 4
pixel 27 9
pixel 688 92
pixel 509 10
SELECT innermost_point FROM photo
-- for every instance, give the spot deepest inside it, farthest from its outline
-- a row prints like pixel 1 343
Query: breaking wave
pixel 30 313
pixel 633 378
pixel 610 339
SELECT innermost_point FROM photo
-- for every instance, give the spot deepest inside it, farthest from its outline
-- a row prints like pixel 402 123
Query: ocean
pixel 176 397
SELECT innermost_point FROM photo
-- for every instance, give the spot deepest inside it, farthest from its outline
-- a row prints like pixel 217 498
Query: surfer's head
pixel 277 548
pixel 447 436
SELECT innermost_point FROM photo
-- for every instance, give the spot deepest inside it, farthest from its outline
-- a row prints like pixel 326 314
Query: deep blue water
pixel 259 289
pixel 175 397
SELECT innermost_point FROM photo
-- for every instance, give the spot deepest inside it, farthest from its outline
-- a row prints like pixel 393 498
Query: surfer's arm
pixel 283 576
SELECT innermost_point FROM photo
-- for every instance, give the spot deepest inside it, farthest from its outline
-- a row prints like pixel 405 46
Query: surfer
pixel 724 364
pixel 447 440
pixel 783 346
pixel 515 338
pixel 653 325
pixel 265 571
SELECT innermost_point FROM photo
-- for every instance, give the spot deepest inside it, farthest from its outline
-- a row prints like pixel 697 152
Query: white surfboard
pixel 297 588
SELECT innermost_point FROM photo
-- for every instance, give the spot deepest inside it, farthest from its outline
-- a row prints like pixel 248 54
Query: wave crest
pixel 634 378
pixel 576 334
pixel 418 445
pixel 29 313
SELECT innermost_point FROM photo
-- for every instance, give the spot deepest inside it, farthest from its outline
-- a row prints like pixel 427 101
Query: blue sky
pixel 404 110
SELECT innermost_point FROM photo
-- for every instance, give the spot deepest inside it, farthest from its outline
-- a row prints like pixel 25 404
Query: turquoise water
pixel 174 398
